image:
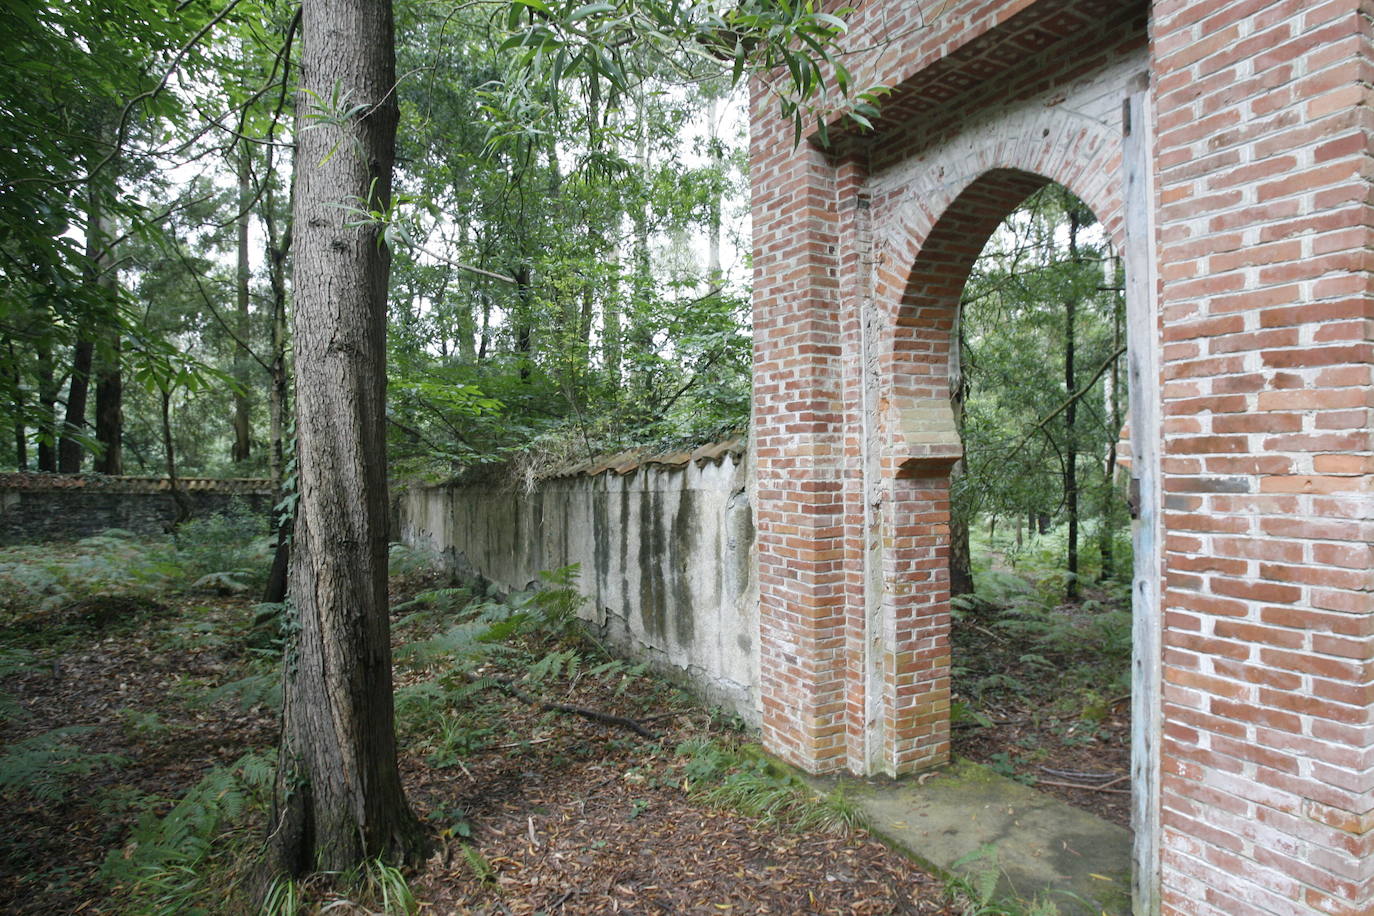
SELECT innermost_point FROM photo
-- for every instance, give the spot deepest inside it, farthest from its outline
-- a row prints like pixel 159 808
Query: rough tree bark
pixel 1071 588
pixel 960 554
pixel 242 447
pixel 47 408
pixel 278 246
pixel 109 410
pixel 70 451
pixel 339 790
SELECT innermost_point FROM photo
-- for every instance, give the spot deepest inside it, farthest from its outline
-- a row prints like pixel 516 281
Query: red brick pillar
pixel 1265 235
pixel 798 450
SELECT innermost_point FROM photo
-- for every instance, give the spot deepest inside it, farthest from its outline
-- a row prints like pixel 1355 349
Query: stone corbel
pixel 923 439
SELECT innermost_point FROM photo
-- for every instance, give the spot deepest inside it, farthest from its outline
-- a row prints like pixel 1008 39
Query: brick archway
pixel 939 230
pixel 857 291
pixel 1230 140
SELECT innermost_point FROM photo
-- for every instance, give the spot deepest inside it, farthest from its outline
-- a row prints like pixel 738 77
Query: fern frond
pixel 43 766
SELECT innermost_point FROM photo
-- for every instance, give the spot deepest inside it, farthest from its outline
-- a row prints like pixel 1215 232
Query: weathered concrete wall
pixel 666 556
pixel 51 507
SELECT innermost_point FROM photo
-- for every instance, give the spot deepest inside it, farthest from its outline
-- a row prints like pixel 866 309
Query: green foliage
pixel 376 887
pixel 460 645
pixel 555 603
pixel 12 662
pixel 284 898
pixel 261 688
pixel 478 864
pixel 407 561
pixel 41 578
pixel 126 572
pixel 142 724
pixel 234 541
pixel 1047 283
pixel 44 766
pixel 456 712
pixel 432 605
pixel 744 779
pixel 972 882
pixel 1014 637
pixel 161 869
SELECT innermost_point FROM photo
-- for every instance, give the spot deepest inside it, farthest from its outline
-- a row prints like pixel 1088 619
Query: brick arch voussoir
pixel 947 218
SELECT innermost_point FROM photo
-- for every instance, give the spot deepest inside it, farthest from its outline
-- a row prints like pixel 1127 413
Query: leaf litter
pixel 546 813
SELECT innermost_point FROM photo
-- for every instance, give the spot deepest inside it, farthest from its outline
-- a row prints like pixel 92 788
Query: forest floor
pixel 1041 695
pixel 533 811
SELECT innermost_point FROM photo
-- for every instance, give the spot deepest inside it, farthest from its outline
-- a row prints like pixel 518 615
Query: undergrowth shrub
pixel 12 662
pixel 39 579
pixel 42 578
pixel 162 869
pixel 235 541
pixel 406 561
pixel 533 638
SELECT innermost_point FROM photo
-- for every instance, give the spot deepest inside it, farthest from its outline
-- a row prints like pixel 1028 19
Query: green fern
pixel 479 865
pixel 460 642
pixel 554 665
pixel 160 865
pixel 435 601
pixel 260 689
pixel 44 766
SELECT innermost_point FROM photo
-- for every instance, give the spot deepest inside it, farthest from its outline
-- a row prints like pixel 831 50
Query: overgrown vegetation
pixel 743 778
pixel 1040 435
pixel 1041 686
pixel 568 267
pixel 115 575
pixel 168 825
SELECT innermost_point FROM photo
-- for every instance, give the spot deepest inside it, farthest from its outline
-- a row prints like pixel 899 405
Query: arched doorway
pixel 855 435
pixel 1040 570
pixel 907 608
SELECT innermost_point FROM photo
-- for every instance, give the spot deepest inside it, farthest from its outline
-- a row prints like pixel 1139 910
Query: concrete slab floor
pixel 1042 846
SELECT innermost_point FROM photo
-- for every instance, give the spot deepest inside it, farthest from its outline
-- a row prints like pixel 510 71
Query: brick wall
pixel 1257 220
pixel 51 507
pixel 852 421
pixel 1263 174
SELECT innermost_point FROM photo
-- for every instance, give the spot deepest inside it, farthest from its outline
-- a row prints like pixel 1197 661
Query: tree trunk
pixel 339 796
pixel 1106 548
pixel 47 409
pixel 1071 590
pixel 69 450
pixel 242 422
pixel 524 320
pixel 278 246
pixel 960 559
pixel 183 502
pixel 109 410
pixel 21 432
